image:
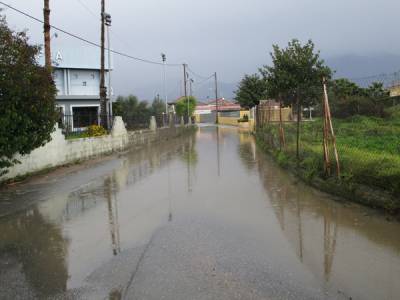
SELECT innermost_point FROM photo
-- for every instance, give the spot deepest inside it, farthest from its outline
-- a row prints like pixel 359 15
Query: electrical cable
pixel 197 75
pixel 89 42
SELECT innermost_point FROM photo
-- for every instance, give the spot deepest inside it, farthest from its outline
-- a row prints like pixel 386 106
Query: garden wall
pixel 60 151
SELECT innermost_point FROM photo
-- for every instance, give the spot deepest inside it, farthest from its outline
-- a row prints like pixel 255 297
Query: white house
pixel 76 73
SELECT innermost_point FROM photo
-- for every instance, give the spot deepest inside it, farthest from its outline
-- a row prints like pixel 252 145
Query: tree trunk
pixel 281 130
pixel 298 129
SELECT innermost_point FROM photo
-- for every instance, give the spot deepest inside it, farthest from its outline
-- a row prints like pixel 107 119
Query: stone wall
pixel 60 151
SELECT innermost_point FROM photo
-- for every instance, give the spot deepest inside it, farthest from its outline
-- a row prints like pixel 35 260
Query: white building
pixel 76 73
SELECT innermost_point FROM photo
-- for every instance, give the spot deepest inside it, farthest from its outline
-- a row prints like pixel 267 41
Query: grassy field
pixel 369 151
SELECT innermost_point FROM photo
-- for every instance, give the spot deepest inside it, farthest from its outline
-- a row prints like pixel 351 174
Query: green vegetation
pixel 369 152
pixel 251 90
pixel 347 99
pixel 182 106
pixel 27 96
pixel 296 78
pixel 366 124
pixel 136 114
pixel 96 130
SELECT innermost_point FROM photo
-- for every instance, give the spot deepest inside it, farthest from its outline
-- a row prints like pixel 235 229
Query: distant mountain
pixel 149 90
pixel 356 66
pixel 362 69
pixel 225 90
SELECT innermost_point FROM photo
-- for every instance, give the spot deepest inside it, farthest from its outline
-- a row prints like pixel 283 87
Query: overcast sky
pixel 231 37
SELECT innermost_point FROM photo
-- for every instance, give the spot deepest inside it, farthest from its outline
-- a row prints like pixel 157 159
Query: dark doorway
pixel 85 116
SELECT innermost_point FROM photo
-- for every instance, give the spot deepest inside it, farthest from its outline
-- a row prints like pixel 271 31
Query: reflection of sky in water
pixel 90 216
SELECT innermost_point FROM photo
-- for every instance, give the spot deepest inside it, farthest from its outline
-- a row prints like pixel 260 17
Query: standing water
pixel 206 216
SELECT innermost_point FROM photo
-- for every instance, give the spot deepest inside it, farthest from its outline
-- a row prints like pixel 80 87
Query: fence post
pixel 329 122
pixel 153 123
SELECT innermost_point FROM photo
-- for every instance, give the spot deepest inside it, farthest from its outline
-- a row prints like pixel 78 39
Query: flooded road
pixel 206 216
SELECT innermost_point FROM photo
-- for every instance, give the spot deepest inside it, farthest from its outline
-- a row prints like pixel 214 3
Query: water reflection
pixel 340 243
pixel 112 206
pixel 218 177
pixel 32 250
pixel 190 157
pixel 52 247
pixel 217 129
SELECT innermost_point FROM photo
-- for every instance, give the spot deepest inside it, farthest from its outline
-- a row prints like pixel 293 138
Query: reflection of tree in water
pixel 246 150
pixel 41 250
pixel 295 205
pixel 190 157
pixel 188 151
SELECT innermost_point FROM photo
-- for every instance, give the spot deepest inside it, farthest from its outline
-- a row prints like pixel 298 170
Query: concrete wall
pixel 233 121
pixel 267 114
pixel 60 151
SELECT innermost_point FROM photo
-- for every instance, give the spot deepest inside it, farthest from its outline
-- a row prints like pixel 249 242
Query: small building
pixel 395 90
pixel 76 73
pixel 268 111
pixel 206 111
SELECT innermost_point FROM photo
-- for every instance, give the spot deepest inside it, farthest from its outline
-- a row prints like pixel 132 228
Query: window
pixel 84 83
pixel 85 116
pixel 92 75
pixel 230 114
pixel 76 76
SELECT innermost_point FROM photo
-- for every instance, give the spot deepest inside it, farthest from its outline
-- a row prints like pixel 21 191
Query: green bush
pixel 27 97
pixel 95 130
pixel 368 147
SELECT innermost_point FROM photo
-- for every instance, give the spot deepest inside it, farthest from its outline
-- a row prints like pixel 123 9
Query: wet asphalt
pixel 205 216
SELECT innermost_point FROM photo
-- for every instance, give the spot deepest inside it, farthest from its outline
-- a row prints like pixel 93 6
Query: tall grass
pixel 369 151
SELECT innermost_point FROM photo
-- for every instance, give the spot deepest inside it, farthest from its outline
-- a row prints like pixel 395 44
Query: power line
pixel 197 75
pixel 89 42
pixel 113 33
pixel 87 9
pixel 203 81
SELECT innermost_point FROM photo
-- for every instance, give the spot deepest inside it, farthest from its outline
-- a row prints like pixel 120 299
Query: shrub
pixel 95 130
pixel 181 106
pixel 244 119
pixel 27 97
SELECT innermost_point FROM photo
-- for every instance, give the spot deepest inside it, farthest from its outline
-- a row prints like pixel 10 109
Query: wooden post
pixel 46 27
pixel 185 92
pixel 103 90
pixel 327 163
pixel 216 98
pixel 332 133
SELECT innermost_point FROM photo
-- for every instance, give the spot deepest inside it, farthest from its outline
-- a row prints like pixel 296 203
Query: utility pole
pixel 190 87
pixel 109 106
pixel 185 88
pixel 164 59
pixel 216 97
pixel 103 90
pixel 46 27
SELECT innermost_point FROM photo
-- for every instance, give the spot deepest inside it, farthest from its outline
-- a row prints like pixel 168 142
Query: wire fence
pixel 78 124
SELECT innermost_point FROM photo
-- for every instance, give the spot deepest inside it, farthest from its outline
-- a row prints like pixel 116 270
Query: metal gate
pixel 208 118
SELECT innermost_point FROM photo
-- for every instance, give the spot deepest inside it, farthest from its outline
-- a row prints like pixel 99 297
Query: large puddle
pixel 67 227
